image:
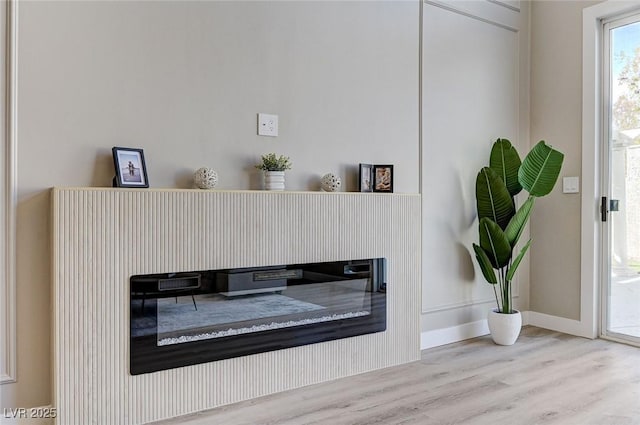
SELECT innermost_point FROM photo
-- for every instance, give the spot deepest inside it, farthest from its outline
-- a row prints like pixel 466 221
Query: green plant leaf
pixel 495 243
pixel 271 162
pixel 492 198
pixel 485 265
pixel 505 161
pixel 540 169
pixel 518 221
pixel 516 262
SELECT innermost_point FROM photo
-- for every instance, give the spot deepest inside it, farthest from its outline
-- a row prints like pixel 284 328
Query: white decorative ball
pixel 205 178
pixel 330 182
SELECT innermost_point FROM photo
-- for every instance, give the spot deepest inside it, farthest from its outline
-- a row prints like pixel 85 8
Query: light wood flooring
pixel 545 378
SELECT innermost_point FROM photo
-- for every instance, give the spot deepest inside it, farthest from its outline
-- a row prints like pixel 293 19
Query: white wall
pixel 184 81
pixel 475 88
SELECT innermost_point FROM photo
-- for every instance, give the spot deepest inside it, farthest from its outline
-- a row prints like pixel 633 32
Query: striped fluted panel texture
pixel 101 237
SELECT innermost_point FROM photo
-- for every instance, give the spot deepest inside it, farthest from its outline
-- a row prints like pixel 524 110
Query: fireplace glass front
pixel 180 319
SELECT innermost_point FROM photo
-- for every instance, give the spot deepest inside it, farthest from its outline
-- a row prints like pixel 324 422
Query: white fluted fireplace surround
pixel 101 237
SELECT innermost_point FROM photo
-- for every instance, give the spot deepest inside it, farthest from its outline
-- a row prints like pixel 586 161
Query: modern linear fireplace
pixel 101 237
pixel 181 319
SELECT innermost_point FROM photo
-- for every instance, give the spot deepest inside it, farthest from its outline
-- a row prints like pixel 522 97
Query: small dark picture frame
pixel 365 180
pixel 131 170
pixel 383 178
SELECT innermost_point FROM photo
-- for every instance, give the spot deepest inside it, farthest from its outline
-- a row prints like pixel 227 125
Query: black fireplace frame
pixel 147 356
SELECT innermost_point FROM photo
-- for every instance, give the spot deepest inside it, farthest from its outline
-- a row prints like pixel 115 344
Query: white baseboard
pixel 453 334
pixel 459 333
pixel 558 324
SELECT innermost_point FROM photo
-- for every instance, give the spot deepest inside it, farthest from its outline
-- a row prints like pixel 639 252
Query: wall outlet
pixel 267 125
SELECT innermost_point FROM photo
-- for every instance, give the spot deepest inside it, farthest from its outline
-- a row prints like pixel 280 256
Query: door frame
pixel 8 191
pixel 592 128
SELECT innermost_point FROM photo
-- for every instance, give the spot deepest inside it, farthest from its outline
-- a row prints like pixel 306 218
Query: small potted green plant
pixel 274 168
pixel 501 225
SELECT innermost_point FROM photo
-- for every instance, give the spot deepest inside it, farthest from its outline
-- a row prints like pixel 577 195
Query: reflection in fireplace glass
pixel 272 304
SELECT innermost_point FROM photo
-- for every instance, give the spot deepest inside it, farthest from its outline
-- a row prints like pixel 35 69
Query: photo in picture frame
pixel 130 167
pixel 365 180
pixel 383 178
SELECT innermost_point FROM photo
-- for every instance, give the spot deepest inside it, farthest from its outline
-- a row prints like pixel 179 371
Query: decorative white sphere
pixel 205 178
pixel 330 182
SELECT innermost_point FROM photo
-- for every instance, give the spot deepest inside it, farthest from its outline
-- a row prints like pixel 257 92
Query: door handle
pixel 603 209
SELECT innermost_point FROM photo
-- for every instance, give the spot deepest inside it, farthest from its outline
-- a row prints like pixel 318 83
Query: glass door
pixel 621 200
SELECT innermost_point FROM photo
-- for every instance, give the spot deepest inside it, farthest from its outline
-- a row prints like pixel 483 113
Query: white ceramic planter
pixel 504 328
pixel 274 180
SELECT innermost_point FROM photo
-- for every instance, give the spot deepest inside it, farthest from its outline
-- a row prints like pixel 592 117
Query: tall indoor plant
pixel 501 225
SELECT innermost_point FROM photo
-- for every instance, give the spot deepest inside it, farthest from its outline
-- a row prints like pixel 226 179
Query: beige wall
pixel 184 81
pixel 556 117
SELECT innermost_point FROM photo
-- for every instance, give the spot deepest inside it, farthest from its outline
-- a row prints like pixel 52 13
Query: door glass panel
pixel 623 311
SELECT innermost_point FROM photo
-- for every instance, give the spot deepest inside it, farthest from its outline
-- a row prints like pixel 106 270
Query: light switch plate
pixel 570 185
pixel 267 125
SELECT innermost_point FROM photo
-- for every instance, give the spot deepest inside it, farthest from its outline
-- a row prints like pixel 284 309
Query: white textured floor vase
pixel 504 328
pixel 274 180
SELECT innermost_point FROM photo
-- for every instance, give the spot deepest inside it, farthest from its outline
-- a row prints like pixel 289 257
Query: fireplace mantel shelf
pixel 208 191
